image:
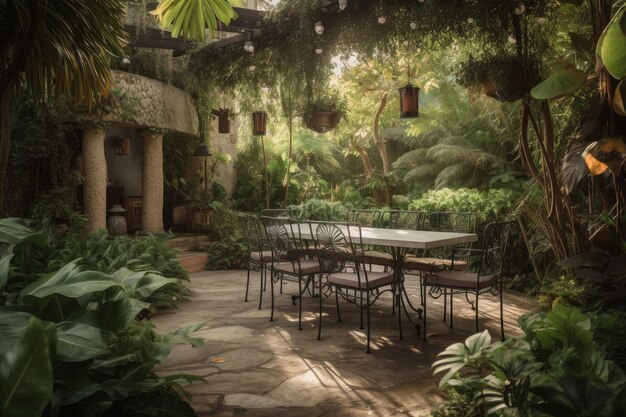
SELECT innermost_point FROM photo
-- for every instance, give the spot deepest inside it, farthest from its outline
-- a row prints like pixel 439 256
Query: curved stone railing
pixel 142 102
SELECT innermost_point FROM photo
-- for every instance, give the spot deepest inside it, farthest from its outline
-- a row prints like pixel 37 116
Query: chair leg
pixel 368 322
pixel 337 304
pixel 361 296
pixel 263 277
pixel 445 303
pixel 319 327
pixel 299 303
pixel 476 311
pixel 398 294
pixel 451 308
pixel 424 315
pixel 501 314
pixel 247 283
pixel 271 292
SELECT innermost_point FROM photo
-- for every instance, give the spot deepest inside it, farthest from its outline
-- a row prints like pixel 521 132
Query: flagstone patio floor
pixel 257 368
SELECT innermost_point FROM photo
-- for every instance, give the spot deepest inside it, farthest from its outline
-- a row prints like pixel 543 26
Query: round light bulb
pixel 520 9
pixel 470 20
pixel 319 51
pixel 343 4
pixel 413 25
pixel 541 20
pixel 319 28
pixel 382 20
pixel 512 39
pixel 125 60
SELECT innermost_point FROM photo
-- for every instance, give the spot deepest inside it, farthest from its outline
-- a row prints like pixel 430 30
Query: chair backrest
pixel 457 222
pixel 332 246
pixel 406 220
pixel 252 229
pixel 340 245
pixel 364 218
pixel 285 239
pixel 495 240
pixel 442 221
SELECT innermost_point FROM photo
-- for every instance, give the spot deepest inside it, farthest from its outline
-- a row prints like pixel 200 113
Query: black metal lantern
pixel 223 122
pixel 259 123
pixel 409 101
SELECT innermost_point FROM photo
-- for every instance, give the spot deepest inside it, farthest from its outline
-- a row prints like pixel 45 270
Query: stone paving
pixel 257 368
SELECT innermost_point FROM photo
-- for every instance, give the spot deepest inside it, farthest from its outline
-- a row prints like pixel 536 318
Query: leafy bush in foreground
pixel 556 369
pixel 70 343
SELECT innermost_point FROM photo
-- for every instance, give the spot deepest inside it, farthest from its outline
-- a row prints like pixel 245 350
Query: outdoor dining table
pixel 400 242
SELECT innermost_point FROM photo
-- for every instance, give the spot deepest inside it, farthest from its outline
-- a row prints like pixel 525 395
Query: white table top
pixel 413 239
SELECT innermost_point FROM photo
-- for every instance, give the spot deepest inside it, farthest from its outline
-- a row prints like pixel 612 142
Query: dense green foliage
pixel 556 369
pixel 229 253
pixel 492 205
pixel 70 342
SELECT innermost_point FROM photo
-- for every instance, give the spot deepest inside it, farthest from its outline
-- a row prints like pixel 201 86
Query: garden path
pixel 257 368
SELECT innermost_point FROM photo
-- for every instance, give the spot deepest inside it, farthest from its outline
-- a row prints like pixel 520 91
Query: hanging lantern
pixel 343 4
pixel 223 122
pixel 259 123
pixel 409 104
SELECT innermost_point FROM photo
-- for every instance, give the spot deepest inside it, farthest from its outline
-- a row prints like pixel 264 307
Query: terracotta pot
pixel 322 121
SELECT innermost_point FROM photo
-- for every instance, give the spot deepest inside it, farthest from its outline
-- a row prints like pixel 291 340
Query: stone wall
pixel 137 101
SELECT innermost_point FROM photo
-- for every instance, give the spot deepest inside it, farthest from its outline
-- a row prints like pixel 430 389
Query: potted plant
pixel 322 113
pixel 503 77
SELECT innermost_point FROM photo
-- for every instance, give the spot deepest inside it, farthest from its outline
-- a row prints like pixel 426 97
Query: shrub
pixel 321 210
pixel 556 369
pixel 229 253
pixel 492 205
pixel 70 341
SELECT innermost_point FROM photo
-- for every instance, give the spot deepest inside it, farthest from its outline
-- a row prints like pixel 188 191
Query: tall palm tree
pixel 56 48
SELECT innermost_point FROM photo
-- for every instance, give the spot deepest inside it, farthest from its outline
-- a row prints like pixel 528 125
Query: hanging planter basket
pixel 512 84
pixel 322 121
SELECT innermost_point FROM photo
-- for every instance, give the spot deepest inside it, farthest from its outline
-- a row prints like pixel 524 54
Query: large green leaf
pixel 69 281
pixel 191 18
pixel 79 341
pixel 26 374
pixel 116 315
pixel 143 283
pixel 612 46
pixel 13 324
pixel 5 263
pixel 14 230
pixel 565 79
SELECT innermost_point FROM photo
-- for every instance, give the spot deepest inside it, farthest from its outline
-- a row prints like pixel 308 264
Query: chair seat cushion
pixel 351 280
pixel 304 267
pixel 459 279
pixel 433 264
pixel 378 258
pixel 265 256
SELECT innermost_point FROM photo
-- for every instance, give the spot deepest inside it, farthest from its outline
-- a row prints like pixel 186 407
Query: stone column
pixel 152 182
pixel 95 174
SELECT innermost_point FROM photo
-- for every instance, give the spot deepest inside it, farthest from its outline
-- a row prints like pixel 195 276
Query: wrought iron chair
pixel 260 254
pixel 364 218
pixel 289 258
pixel 436 260
pixel 341 260
pixel 486 279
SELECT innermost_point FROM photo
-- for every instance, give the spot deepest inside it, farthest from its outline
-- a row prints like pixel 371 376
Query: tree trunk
pixel 382 147
pixel 368 168
pixel 286 180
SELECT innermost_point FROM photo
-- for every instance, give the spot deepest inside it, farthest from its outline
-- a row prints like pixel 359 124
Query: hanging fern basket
pixel 322 121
